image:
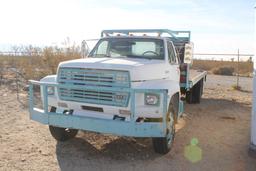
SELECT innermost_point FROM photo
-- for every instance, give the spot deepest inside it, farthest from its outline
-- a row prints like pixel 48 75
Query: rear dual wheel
pixel 195 94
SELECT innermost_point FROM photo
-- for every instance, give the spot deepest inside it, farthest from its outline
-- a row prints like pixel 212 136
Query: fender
pixel 49 79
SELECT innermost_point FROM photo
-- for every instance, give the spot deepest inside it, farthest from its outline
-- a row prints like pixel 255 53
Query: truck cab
pixel 132 83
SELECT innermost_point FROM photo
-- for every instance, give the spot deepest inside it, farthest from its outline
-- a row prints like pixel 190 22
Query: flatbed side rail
pixel 123 128
pixel 197 78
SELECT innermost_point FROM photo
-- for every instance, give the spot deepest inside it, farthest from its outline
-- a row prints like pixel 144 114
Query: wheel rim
pixel 170 128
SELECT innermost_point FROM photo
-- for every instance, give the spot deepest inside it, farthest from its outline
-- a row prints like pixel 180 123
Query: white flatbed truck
pixel 133 83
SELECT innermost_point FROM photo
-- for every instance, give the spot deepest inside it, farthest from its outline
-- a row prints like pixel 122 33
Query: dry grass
pixel 222 67
pixel 37 66
pixel 225 70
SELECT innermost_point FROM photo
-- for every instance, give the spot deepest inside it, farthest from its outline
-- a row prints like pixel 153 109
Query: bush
pixel 235 87
pixel 225 70
pixel 245 68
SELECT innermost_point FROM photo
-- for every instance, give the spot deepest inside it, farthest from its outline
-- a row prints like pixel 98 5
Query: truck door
pixel 174 68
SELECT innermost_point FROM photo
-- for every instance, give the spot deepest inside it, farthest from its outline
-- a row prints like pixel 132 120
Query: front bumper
pixel 116 127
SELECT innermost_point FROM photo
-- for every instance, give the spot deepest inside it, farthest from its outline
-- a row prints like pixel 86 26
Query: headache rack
pixel 179 38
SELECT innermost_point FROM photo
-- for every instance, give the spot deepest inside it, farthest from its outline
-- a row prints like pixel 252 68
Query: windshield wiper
pixel 136 56
pixel 100 56
pixel 108 56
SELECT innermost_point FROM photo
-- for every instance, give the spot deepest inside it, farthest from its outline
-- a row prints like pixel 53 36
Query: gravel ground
pixel 221 123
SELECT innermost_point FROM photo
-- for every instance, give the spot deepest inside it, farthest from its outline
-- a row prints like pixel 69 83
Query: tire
pixel 202 88
pixel 189 96
pixel 194 95
pixel 197 93
pixel 163 145
pixel 61 134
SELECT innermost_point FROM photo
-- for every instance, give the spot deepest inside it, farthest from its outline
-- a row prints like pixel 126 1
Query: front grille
pixel 94 78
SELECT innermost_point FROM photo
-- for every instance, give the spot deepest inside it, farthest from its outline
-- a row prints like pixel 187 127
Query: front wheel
pixel 62 134
pixel 162 145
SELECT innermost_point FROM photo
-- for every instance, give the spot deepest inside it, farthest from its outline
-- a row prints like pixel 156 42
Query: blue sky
pixel 217 26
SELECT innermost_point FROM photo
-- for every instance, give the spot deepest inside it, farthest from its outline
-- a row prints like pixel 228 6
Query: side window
pixel 102 48
pixel 171 54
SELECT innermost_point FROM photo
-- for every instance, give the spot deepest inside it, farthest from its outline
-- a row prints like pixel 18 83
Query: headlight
pixel 120 78
pixel 50 90
pixel 152 99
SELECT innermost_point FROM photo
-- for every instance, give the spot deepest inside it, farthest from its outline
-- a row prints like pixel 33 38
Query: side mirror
pixel 84 49
pixel 188 54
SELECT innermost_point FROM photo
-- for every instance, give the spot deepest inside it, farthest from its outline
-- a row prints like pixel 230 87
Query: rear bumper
pixel 116 127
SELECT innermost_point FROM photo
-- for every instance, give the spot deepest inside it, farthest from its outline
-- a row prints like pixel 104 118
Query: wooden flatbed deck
pixel 195 76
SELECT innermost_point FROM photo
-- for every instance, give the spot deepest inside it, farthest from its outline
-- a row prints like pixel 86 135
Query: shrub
pixel 245 67
pixel 225 70
pixel 235 87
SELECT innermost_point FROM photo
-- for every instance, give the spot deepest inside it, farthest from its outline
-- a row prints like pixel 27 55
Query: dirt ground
pixel 221 123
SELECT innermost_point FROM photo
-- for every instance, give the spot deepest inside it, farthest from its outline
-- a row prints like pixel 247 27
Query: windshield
pixel 129 47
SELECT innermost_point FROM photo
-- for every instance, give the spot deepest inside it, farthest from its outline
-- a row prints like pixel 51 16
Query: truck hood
pixel 140 69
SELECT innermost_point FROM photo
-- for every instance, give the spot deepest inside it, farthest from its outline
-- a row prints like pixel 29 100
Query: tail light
pixel 183 78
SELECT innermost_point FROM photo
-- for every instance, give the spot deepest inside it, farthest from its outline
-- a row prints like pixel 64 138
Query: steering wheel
pixel 150 52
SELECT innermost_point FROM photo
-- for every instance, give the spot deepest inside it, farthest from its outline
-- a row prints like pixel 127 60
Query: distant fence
pixel 28 68
pixel 224 56
pixel 21 53
pixel 208 56
pixel 240 63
